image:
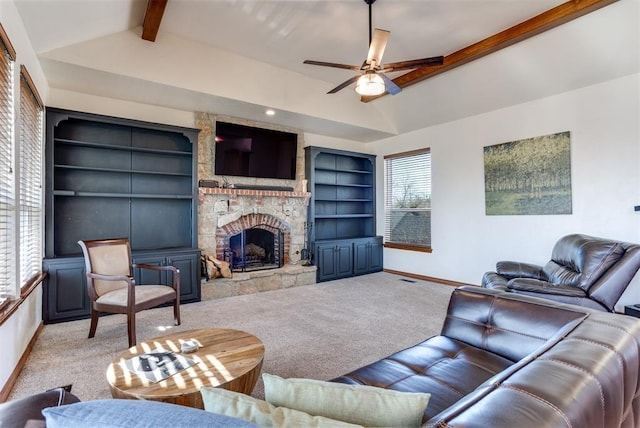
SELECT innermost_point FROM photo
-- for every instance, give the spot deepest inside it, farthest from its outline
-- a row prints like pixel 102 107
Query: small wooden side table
pixel 229 359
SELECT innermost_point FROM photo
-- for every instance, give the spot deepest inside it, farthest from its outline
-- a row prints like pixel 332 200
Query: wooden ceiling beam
pixel 152 19
pixel 547 20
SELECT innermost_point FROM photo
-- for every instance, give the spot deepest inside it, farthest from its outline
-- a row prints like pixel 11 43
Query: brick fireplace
pixel 223 212
pixel 226 212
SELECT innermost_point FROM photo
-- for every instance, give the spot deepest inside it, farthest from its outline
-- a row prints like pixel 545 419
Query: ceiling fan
pixel 371 78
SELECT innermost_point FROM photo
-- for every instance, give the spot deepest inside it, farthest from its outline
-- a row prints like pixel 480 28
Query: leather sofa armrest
pixel 539 286
pixel 28 411
pixel 510 269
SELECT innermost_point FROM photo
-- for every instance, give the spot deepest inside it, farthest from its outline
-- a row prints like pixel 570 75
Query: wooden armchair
pixel 111 286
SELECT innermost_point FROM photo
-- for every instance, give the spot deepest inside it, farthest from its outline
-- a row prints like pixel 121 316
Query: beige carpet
pixel 318 331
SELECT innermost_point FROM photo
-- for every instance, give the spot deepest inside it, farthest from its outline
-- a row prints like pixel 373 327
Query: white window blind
pixel 31 147
pixel 407 199
pixel 7 188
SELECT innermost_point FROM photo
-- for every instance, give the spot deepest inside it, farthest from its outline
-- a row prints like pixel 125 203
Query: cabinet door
pixel 326 262
pixel 187 262
pixel 361 257
pixel 376 250
pixel 344 259
pixel 65 290
pixel 189 265
pixel 367 255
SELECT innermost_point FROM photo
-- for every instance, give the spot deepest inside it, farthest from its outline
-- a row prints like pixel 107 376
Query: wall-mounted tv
pixel 245 151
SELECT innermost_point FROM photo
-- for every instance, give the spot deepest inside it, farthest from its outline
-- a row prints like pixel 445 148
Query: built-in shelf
pixel 109 177
pixel 354 171
pixel 118 147
pixel 342 213
pixel 121 171
pixel 119 195
pixel 344 185
pixel 342 200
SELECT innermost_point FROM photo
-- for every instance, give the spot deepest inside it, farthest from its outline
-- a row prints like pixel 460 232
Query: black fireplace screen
pixel 260 247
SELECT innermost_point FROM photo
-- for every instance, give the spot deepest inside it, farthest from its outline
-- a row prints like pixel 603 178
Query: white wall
pixel 605 159
pixel 70 100
pixel 17 331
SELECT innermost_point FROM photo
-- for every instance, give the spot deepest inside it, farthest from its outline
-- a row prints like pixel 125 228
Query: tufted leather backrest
pixel 580 260
pixel 504 326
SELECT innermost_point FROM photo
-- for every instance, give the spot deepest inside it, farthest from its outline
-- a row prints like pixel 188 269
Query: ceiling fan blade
pixel 332 64
pixel 389 85
pixel 344 84
pixel 414 63
pixel 378 44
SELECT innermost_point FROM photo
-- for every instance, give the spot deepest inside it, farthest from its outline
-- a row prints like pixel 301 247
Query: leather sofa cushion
pixel 448 369
pixel 537 286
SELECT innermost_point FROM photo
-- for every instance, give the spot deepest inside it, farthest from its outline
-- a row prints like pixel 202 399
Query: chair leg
pixel 176 312
pixel 94 323
pixel 131 328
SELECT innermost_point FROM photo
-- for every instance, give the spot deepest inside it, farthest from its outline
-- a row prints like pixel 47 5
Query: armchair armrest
pixel 510 269
pixel 175 270
pixel 544 287
pixel 155 267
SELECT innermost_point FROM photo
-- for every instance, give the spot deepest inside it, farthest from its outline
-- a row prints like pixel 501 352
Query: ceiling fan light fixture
pixel 370 84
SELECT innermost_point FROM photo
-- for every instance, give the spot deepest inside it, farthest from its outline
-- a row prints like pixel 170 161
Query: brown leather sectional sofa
pixel 507 360
pixel 501 360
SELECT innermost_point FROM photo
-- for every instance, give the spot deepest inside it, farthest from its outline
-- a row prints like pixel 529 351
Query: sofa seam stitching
pixel 537 397
pixel 584 371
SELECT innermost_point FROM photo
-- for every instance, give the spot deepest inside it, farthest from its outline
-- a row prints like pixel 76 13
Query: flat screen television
pixel 245 151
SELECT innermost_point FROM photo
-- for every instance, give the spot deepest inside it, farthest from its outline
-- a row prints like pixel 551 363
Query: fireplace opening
pixel 259 247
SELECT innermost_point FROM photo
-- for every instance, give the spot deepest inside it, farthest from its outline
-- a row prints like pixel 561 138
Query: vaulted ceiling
pixel 239 57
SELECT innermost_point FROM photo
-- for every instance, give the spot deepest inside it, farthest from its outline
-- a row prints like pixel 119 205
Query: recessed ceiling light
pixel 270 112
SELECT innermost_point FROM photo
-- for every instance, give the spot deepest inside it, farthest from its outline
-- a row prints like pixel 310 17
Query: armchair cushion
pixel 510 269
pixel 539 286
pixel 144 293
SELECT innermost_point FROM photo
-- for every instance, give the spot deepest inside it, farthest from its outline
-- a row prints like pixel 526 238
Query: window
pixel 30 179
pixel 407 200
pixel 7 187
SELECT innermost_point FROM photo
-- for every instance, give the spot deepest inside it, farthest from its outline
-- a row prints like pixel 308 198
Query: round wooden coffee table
pixel 229 359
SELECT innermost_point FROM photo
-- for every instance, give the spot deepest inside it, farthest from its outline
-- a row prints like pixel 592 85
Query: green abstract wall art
pixel 529 177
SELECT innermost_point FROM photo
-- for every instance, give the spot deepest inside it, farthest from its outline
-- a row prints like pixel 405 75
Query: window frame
pixel 15 85
pixel 8 289
pixel 387 200
pixel 30 181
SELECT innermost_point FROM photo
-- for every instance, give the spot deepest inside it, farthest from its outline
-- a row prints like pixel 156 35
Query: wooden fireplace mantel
pixel 251 192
